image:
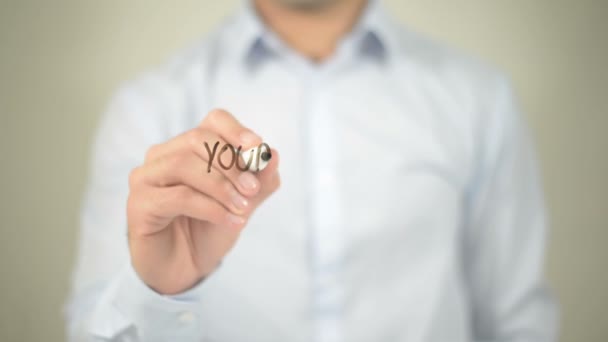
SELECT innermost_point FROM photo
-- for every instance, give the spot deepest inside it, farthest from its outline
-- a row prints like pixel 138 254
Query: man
pixel 409 210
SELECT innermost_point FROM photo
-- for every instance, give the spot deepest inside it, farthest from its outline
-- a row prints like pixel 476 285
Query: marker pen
pixel 260 157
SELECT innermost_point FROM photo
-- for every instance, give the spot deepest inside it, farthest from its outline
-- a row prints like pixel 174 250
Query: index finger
pixel 230 129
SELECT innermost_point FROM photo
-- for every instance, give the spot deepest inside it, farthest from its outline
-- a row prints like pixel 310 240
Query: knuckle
pixel 217 115
pixel 135 177
pixel 174 165
pixel 154 205
pixel 152 152
pixel 150 204
pixel 194 137
pixel 131 204
pixel 177 160
pixel 137 206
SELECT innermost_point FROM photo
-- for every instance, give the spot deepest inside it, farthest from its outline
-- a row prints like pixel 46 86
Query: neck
pixel 312 31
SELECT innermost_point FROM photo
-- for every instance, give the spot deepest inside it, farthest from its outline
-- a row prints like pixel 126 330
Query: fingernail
pixel 239 201
pixel 249 139
pixel 234 219
pixel 248 181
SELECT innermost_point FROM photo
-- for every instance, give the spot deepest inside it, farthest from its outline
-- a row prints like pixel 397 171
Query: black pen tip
pixel 266 156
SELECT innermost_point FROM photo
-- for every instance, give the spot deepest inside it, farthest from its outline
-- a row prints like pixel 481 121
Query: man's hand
pixel 183 220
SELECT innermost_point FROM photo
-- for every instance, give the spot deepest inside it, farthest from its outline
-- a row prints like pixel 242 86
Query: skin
pixel 183 220
pixel 311 27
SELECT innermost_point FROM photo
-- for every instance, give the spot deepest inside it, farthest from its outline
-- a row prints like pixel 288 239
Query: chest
pixel 365 150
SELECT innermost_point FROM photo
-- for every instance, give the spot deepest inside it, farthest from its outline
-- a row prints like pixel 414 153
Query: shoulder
pixel 457 72
pixel 473 92
pixel 468 94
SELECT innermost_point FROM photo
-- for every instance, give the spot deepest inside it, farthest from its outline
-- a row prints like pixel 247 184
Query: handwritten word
pixel 235 154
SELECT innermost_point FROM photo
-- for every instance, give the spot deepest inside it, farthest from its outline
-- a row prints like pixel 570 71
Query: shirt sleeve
pixel 507 231
pixel 108 301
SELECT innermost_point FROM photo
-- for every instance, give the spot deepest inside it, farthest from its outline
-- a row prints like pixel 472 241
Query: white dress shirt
pixel 410 208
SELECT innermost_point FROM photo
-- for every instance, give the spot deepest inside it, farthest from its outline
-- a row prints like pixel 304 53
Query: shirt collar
pixel 376 31
pixel 255 42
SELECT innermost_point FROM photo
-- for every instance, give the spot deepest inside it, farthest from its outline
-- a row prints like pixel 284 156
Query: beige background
pixel 60 61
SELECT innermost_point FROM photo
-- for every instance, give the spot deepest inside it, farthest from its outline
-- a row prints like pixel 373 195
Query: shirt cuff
pixel 157 317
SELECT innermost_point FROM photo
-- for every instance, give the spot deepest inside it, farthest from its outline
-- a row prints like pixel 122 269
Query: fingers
pixel 211 148
pixel 185 169
pixel 269 178
pixel 221 157
pixel 230 129
pixel 198 174
pixel 170 202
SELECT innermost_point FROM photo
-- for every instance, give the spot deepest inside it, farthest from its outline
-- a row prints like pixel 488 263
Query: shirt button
pixel 186 317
